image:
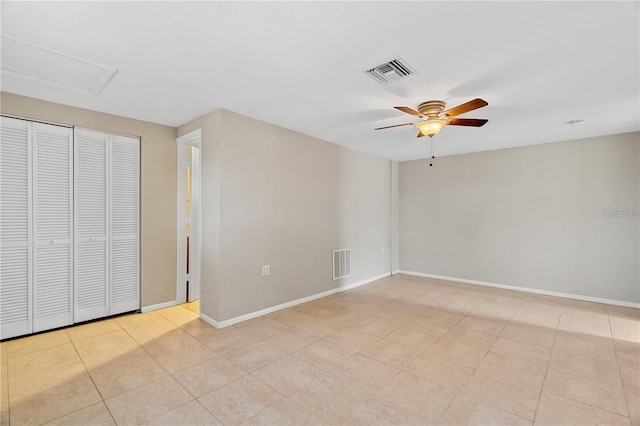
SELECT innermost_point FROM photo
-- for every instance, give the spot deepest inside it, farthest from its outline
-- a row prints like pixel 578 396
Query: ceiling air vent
pixel 390 71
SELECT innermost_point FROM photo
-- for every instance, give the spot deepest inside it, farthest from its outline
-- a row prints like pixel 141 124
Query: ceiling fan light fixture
pixel 431 127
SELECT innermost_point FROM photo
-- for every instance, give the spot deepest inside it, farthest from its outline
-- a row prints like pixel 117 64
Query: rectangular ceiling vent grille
pixel 30 61
pixel 341 263
pixel 390 71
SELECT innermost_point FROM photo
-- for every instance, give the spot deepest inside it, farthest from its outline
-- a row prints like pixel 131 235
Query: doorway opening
pixel 189 218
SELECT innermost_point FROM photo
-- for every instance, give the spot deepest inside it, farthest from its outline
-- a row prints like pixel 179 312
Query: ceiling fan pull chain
pixel 432 153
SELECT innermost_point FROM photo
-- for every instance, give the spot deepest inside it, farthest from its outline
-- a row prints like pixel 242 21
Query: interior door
pixel 15 228
pixel 125 223
pixel 52 226
pixel 91 225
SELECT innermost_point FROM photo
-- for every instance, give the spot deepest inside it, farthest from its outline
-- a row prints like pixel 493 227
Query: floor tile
pixel 172 311
pixel 463 412
pixel 482 325
pixel 440 371
pixel 515 371
pixel 323 355
pixel 54 403
pixel 627 354
pixel 586 322
pixel 182 319
pixel 625 328
pixel 517 399
pixel 367 372
pixel 284 412
pixel 147 402
pixel 133 320
pixel 534 335
pixel 152 330
pixel 469 337
pixel 555 410
pixel 174 340
pixel 208 376
pixel 630 377
pixel 34 343
pixel 420 397
pixel 182 358
pixel 413 338
pixel 455 352
pixel 291 340
pixel 239 400
pixel 587 391
pixel 96 414
pixel 331 398
pixel 401 350
pixel 633 403
pixel 92 329
pixel 377 411
pixel 126 373
pixel 517 349
pixel 227 340
pixel 191 413
pixel 390 353
pixel 352 340
pixel 262 327
pixel 287 375
pixel 99 350
pixel 254 356
pixel 592 359
pixel 441 318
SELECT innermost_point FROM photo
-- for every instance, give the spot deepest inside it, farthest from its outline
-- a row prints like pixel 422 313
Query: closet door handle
pixel 92 238
pixel 54 241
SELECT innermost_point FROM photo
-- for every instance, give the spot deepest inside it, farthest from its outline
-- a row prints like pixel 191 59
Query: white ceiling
pixel 300 65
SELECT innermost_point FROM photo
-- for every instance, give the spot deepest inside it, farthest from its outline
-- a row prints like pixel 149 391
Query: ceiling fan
pixel 434 117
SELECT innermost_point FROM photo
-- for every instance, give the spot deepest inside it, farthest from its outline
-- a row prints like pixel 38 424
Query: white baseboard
pixel 256 314
pixel 159 306
pixel 396 272
pixel 526 289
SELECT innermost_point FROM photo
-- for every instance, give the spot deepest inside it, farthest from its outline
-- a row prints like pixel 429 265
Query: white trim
pixel 396 272
pixel 189 138
pixel 192 138
pixel 159 306
pixel 526 289
pixel 256 314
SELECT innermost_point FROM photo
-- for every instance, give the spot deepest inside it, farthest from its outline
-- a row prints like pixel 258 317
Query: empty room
pixel 320 213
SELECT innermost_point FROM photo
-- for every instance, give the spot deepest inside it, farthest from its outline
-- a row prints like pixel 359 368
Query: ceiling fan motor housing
pixel 431 108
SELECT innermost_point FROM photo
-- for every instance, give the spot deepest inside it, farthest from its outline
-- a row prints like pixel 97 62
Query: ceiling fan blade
pixel 466 107
pixel 473 122
pixel 408 110
pixel 397 125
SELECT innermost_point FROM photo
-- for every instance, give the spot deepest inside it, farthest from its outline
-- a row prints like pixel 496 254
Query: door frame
pixel 193 138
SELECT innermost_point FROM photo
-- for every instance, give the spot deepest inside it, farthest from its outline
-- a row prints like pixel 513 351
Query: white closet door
pixel 91 225
pixel 52 226
pixel 125 225
pixel 15 228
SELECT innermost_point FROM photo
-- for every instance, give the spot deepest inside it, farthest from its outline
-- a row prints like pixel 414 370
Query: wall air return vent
pixel 341 263
pixel 30 61
pixel 390 71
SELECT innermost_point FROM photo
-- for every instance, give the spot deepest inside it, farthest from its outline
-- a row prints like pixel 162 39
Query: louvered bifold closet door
pixel 91 225
pixel 52 226
pixel 15 228
pixel 125 223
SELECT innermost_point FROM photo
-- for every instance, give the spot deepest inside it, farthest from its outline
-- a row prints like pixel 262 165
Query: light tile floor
pixel 401 350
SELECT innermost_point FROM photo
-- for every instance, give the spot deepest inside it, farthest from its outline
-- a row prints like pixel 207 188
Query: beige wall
pixel 529 217
pixel 395 216
pixel 158 184
pixel 287 200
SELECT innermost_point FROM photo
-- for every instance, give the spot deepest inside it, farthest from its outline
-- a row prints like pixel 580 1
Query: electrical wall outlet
pixel 266 270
